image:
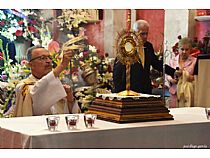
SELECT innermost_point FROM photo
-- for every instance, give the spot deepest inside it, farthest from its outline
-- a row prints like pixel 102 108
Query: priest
pixel 42 92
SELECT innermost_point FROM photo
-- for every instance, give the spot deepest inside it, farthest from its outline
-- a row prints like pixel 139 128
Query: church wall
pixel 201 28
pixel 155 18
pixel 176 23
pixel 95 35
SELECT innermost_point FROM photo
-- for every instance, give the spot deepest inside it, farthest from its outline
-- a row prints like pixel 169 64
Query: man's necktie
pixel 141 55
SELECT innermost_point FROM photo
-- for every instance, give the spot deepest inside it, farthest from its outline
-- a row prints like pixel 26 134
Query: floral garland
pixel 71 18
pixel 20 25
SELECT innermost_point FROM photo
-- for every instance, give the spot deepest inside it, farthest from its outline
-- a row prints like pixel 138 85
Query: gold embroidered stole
pixel 24 104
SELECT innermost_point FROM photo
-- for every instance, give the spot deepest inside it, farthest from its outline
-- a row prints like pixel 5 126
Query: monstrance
pixel 128 46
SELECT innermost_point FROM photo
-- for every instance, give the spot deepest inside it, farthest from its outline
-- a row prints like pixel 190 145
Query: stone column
pixel 114 21
pixel 133 17
pixel 128 19
pixel 177 22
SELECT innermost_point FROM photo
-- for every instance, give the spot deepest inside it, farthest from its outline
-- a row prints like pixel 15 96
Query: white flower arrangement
pixel 71 18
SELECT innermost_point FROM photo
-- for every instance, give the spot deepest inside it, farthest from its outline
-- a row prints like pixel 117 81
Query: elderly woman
pixel 181 86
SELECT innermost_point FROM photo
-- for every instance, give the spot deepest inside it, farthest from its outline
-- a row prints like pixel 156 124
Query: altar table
pixel 189 129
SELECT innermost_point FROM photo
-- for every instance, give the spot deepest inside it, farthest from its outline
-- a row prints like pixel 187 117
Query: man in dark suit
pixel 140 72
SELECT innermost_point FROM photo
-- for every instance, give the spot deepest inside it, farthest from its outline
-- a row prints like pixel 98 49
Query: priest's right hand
pixel 67 55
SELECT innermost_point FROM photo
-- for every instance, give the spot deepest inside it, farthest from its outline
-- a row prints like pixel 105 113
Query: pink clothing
pixel 188 66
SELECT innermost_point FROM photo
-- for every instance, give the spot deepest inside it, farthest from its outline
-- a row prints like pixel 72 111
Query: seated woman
pixel 182 87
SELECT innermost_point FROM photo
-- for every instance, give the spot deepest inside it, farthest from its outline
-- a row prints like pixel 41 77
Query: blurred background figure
pixel 182 86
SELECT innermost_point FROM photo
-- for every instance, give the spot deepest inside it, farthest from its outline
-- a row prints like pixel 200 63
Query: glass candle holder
pixel 89 120
pixel 207 113
pixel 52 122
pixel 71 121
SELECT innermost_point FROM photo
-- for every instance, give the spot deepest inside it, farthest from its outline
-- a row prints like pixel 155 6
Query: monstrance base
pixel 128 93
